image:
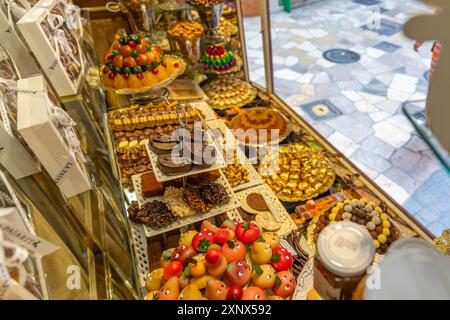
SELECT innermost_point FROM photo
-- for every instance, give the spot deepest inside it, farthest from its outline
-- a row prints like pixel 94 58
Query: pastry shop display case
pixel 312 187
pixel 193 169
pixel 169 205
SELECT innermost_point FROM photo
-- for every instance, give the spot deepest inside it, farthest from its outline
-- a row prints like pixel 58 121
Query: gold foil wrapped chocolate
pixel 302 173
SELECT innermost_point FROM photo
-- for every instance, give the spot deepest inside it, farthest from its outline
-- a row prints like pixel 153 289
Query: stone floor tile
pixel 356 126
pixel 425 168
pixel 404 82
pixel 401 122
pixel 372 174
pixel 305 78
pixel 287 74
pixel 436 228
pixel 379 115
pixel 326 90
pixel 377 146
pixel 390 134
pixel 344 104
pixel 350 85
pixel 392 188
pixel 372 160
pixel 290 61
pixel 372 98
pixel 323 129
pixel 375 53
pixel 389 106
pixel 343 143
pixel 364 106
pixel 400 177
pixel 398 95
pixel 321 77
pixel 412 206
pixel 352 95
pixel 405 159
pixel 307 89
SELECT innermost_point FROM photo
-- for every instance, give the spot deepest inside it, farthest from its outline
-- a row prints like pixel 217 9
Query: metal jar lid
pixel 345 248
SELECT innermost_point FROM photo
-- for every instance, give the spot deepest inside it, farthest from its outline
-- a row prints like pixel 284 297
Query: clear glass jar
pixel 344 252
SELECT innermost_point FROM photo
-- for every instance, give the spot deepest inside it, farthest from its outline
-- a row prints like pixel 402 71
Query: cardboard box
pixel 12 43
pixel 13 155
pixel 46 140
pixel 52 40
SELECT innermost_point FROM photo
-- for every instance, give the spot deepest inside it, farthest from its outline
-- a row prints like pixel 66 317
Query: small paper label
pixel 5 118
pixel 59 178
pixel 305 281
pixel 5 280
pixel 16 200
pixel 339 196
pixel 25 239
pixel 53 65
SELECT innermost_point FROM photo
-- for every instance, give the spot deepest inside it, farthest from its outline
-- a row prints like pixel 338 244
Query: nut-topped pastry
pixel 228 92
pixel 297 173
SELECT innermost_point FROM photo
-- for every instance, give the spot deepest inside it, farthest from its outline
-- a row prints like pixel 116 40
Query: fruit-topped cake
pixel 133 63
pixel 218 59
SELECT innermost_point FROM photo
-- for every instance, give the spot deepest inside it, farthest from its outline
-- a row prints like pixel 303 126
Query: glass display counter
pixel 142 204
pixel 349 180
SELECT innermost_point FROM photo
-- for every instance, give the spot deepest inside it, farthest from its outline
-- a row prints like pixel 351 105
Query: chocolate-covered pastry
pixel 133 209
pixel 172 165
pixel 162 144
pixel 194 200
pixel 154 214
pixel 214 193
pixel 128 172
pixel 140 168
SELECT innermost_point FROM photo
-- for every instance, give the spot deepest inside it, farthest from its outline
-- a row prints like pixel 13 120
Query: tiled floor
pixel 366 122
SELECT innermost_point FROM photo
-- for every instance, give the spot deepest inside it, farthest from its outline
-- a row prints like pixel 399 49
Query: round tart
pixel 262 120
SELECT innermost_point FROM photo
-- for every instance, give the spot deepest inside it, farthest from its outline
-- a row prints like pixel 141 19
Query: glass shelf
pixel 415 112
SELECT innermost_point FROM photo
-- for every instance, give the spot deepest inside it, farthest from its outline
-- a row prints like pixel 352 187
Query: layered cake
pixel 150 186
pixel 229 92
pixel 218 59
pixel 133 63
pixel 263 121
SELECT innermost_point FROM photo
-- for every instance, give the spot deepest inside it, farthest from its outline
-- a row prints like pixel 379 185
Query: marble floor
pixel 359 103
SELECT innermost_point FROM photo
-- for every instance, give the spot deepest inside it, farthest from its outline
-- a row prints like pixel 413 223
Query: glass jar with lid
pixel 344 252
